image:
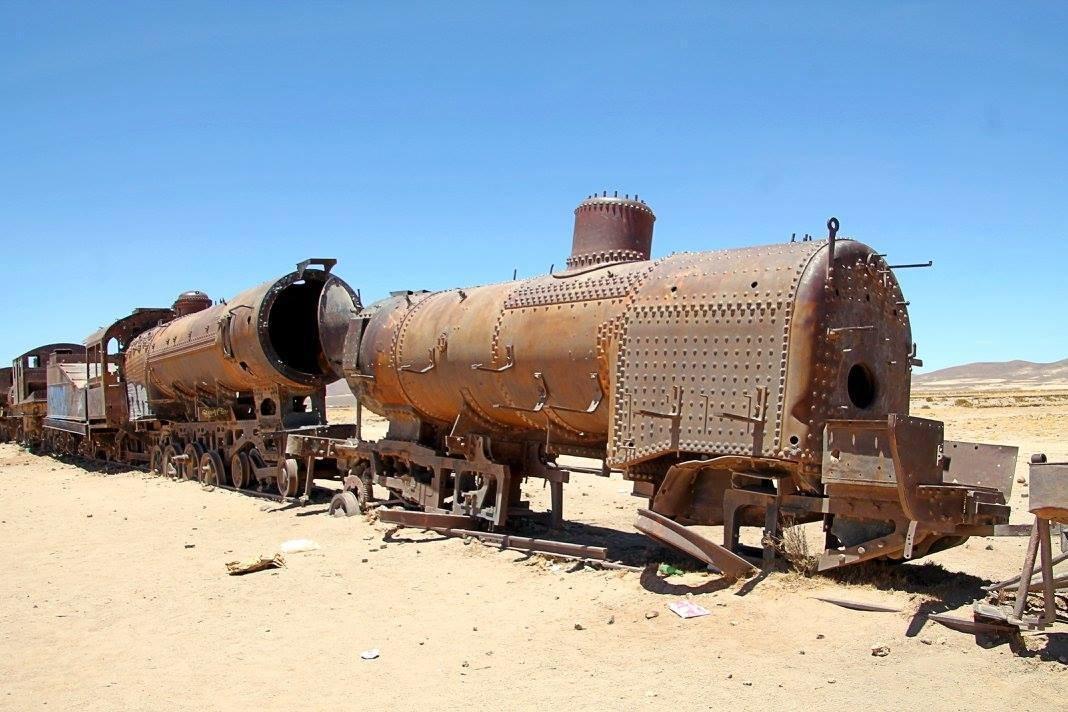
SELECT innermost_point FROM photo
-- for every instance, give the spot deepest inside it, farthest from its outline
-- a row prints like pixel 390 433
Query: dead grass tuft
pixel 793 546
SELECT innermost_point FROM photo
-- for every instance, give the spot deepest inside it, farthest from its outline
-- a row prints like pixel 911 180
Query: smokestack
pixel 191 303
pixel 611 229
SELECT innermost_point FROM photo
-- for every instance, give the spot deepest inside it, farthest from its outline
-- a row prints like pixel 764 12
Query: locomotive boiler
pixel 228 380
pixel 207 391
pixel 732 387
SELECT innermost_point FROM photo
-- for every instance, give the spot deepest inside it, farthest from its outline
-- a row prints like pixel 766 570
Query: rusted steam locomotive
pixel 731 387
pixel 199 391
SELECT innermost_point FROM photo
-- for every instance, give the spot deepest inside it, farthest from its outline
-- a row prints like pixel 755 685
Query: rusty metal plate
pixel 702 360
pixel 980 465
pixel 859 605
pixel 338 304
pixel 857 451
pixel 425 520
pixel 679 537
pixel 863 451
pixel 1049 491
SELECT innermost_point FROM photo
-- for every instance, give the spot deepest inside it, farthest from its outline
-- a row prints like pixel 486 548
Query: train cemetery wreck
pixel 749 389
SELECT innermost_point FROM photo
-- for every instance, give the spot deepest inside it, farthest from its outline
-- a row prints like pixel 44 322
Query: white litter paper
pixel 688 609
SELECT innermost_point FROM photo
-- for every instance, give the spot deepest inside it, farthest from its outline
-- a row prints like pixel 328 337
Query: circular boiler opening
pixel 861 386
pixel 293 325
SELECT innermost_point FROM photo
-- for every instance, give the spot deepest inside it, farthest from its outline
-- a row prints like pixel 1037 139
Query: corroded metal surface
pixel 731 387
pixel 713 380
pixel 27 398
pixel 266 337
pixel 1049 491
pixel 610 229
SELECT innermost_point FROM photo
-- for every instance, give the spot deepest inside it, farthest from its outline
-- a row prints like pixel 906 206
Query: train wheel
pixel 155 460
pixel 240 470
pixel 212 472
pixel 191 464
pixel 344 504
pixel 358 481
pixel 170 467
pixel 286 478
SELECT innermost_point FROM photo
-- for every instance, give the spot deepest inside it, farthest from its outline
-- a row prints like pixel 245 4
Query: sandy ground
pixel 115 596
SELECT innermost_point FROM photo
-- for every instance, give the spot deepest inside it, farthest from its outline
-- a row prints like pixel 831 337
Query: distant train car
pixel 206 391
pixel 87 413
pixel 27 402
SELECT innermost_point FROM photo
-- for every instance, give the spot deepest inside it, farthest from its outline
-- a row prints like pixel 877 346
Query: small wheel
pixel 359 482
pixel 191 465
pixel 212 471
pixel 286 478
pixel 155 460
pixel 240 470
pixel 344 504
pixel 170 467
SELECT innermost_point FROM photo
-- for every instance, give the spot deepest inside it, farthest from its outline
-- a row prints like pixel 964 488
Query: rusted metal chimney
pixel 191 303
pixel 611 229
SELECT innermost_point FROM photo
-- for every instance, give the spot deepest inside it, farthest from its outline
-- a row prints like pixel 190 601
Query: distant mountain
pixel 1004 374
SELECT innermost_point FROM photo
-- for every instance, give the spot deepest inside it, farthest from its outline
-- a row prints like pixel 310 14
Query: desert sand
pixel 116 596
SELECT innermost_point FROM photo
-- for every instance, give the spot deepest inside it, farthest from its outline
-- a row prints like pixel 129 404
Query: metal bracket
pixel 676 410
pixel 433 364
pixel 913 361
pixel 509 352
pixel 761 408
pixel 327 263
pixel 910 539
pixel 543 397
pixel 595 403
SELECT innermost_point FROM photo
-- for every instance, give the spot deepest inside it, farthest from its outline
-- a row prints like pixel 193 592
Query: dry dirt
pixel 115 596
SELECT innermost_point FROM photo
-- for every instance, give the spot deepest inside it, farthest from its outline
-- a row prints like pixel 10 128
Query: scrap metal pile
pixel 733 387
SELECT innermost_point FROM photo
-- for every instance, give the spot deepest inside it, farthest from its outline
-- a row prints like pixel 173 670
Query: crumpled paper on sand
pixel 260 563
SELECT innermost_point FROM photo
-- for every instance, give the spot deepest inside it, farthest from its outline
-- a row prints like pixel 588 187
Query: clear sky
pixel 149 148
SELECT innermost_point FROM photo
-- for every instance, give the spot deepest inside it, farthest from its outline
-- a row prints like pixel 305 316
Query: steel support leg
pixel 556 495
pixel 1048 588
pixel 1028 569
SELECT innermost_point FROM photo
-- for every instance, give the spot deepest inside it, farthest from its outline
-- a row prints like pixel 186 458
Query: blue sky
pixel 149 148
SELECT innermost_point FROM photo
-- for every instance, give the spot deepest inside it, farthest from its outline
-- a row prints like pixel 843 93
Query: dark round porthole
pixel 861 386
pixel 267 407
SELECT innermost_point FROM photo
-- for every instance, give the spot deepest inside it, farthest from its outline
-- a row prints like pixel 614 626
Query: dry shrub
pixel 793 546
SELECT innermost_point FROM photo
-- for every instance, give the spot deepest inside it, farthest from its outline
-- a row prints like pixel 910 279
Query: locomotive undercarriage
pixel 889 490
pixel 463 488
pixel 909 496
pixel 233 454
